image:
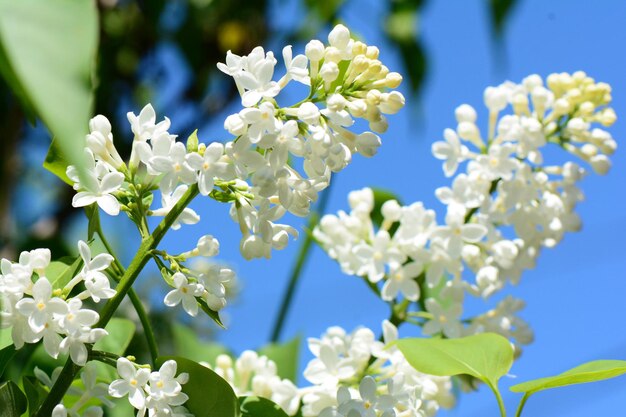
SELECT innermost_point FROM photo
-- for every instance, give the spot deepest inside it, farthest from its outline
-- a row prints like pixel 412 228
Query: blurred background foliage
pixel 165 51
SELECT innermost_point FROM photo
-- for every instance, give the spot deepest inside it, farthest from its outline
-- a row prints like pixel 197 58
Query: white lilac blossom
pixel 159 393
pixel 254 374
pixel 506 187
pixel 34 310
pixel 354 372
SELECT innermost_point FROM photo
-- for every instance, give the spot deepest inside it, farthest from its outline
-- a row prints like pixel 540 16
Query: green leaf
pixel 5 338
pixel 286 357
pixel 12 400
pixel 259 407
pixel 192 142
pixel 35 393
pixel 381 197
pixel 6 354
pixel 56 162
pixel 93 214
pixel 588 372
pixel 49 49
pixel 121 332
pixel 213 314
pixel 61 272
pixel 209 394
pixel 188 345
pixel 486 356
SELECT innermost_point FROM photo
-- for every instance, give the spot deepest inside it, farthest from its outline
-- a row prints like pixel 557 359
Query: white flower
pixel 401 278
pixel 211 166
pixel 42 308
pixel 374 257
pixel 98 186
pixel 296 67
pixel 132 383
pixel 143 126
pixel 168 201
pixel 175 166
pixel 451 151
pixel 445 319
pixel 185 292
pixel 257 77
pixel 97 285
pixel 456 232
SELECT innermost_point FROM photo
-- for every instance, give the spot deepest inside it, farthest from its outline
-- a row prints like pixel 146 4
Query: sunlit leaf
pixel 588 372
pixel 49 49
pixel 485 356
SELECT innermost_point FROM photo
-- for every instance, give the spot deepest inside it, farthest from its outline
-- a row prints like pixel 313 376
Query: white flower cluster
pixel 252 374
pixel 159 392
pixel 500 212
pixel 341 362
pixel 41 310
pixel 344 362
pixel 349 80
pixel 205 282
pixel 253 171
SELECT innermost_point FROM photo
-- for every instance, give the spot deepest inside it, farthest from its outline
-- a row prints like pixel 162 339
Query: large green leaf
pixel 259 407
pixel 12 400
pixel 61 272
pixel 6 354
pixel 48 55
pixel 209 394
pixel 588 372
pixel 286 357
pixel 35 393
pixel 485 356
pixel 121 332
pixel 188 345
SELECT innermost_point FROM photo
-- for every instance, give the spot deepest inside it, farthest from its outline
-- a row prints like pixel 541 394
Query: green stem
pixel 135 300
pixel 500 402
pixel 70 370
pixel 522 403
pixel 303 255
pixel 145 323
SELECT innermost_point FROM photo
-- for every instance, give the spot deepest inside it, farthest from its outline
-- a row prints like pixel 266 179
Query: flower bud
pixel 329 72
pixel 600 164
pixel 309 113
pixel 391 103
pixel 235 125
pixel 393 80
pixel 495 99
pixel 339 37
pixel 208 246
pixel 391 210
pixel 465 113
pixel 314 50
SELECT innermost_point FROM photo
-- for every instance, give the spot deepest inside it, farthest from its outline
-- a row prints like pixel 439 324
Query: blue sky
pixel 575 296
